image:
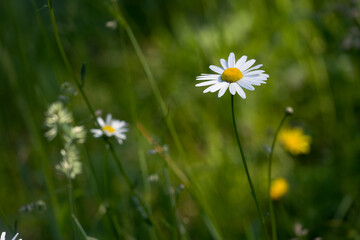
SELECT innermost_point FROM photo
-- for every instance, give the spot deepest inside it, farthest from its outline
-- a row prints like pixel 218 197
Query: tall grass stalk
pixel 5 219
pixel 133 190
pixel 71 202
pixel 114 9
pixel 271 206
pixel 134 114
pixel 80 227
pixel 262 219
pixel 176 231
pixel 92 112
pixel 190 185
pixel 209 219
pixel 28 112
pixel 122 21
pixel 109 223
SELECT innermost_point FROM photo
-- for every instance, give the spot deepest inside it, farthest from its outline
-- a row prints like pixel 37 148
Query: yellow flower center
pixel 231 75
pixel 108 129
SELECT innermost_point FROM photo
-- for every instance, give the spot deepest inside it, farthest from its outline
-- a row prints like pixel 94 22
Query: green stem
pixel 121 19
pixel 109 224
pixel 71 200
pixel 80 227
pixel 105 176
pixel 5 219
pixel 132 187
pixel 66 61
pixel 271 206
pixel 91 110
pixel 262 219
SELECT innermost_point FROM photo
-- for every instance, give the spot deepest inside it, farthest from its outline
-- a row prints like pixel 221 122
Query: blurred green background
pixel 310 49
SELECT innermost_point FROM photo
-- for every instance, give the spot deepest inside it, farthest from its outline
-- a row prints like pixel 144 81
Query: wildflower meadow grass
pixel 107 133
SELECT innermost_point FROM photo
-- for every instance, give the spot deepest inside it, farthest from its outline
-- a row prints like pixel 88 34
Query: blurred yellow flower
pixel 295 141
pixel 279 188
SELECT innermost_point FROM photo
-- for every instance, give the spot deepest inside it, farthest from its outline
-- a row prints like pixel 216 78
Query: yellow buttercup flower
pixel 279 188
pixel 295 141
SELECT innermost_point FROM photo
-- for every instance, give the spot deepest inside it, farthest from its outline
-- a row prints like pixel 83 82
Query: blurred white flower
pixel 70 164
pixel 3 234
pixel 60 120
pixel 233 76
pixel 75 134
pixel 299 230
pixel 153 178
pixel 37 206
pixel 55 117
pixel 111 127
pixel 111 24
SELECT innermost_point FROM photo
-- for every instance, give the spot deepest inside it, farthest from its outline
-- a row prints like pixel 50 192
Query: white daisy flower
pixel 111 127
pixel 3 234
pixel 233 75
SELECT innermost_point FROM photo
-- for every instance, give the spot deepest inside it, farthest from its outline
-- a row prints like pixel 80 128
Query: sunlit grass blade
pixel 209 220
pixel 114 9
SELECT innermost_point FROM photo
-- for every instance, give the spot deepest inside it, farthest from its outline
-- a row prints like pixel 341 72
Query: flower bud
pixel 289 111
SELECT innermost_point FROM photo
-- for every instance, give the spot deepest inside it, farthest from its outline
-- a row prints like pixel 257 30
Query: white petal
pixel 120 135
pixel 15 236
pixel 216 69
pixel 109 134
pixel 223 89
pixel 256 83
pixel 3 235
pixel 240 91
pixel 214 87
pixel 101 121
pixel 207 74
pixel 97 132
pixel 241 61
pixel 118 124
pixel 108 119
pixel 232 88
pixel 247 65
pixel 245 84
pixel 253 81
pixel 206 83
pixel 208 77
pixel 258 78
pixel 122 130
pixel 224 63
pixel 253 68
pixel 231 60
pixel 257 72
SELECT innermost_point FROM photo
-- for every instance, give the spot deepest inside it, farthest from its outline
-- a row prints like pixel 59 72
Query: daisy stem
pixel 271 206
pixel 262 219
